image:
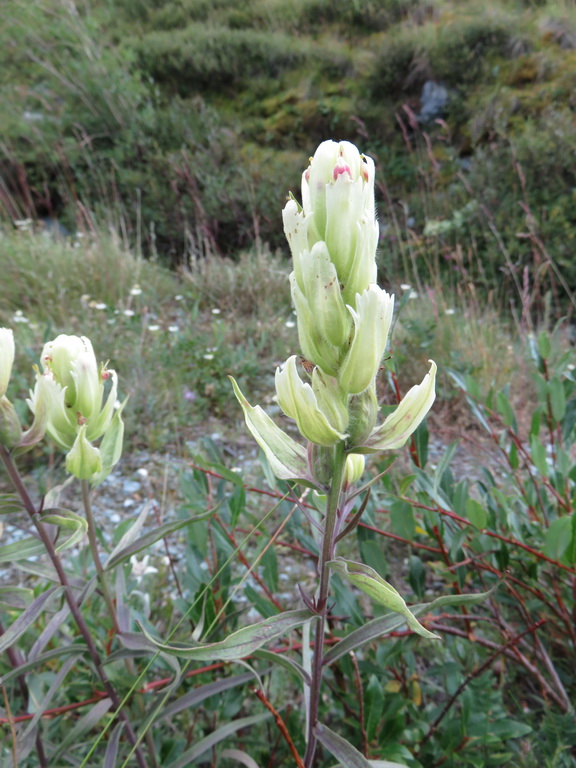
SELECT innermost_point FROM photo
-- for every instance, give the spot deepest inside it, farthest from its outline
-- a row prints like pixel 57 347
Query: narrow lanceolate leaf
pixel 286 662
pixel 383 625
pixel 16 597
pixel 55 653
pixel 186 759
pixel 241 643
pixel 112 748
pixel 143 542
pixel 21 550
pixel 28 617
pixel 348 755
pixel 341 749
pixel 198 695
pixel 82 727
pixel 69 521
pixel 366 579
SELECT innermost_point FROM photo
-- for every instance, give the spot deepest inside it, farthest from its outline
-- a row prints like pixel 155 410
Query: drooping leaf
pixel 241 643
pixel 69 521
pixel 379 590
pixel 286 662
pixel 383 625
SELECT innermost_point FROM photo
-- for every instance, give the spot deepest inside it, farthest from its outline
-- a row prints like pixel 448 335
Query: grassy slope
pixel 185 122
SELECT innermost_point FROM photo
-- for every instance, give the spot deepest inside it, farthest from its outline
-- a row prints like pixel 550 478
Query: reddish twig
pixel 475 673
pixel 281 726
pixel 493 534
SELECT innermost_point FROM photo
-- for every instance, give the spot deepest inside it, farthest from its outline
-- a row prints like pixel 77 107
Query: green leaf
pixel 417 575
pixel 121 553
pixel 82 726
pixel 557 399
pixel 506 411
pixel 28 617
pixel 544 345
pixel 186 759
pixel 558 537
pixel 538 452
pixel 282 660
pixel 21 550
pixel 509 729
pixel 367 580
pixel 374 697
pixel 16 597
pixel 269 564
pixel 402 519
pixel 476 514
pixel 38 661
pixel 513 456
pixel 198 695
pixel 241 643
pixel 383 625
pixel 264 607
pixel 420 438
pixel 348 756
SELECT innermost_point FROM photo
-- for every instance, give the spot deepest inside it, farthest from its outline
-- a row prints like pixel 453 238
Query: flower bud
pixel 69 400
pixel 321 460
pixel 372 320
pixel 318 283
pixel 338 208
pixel 299 402
pixel 363 410
pixel 6 358
pixel 83 460
pixel 353 469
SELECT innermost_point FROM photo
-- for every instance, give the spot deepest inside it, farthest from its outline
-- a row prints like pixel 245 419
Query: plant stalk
pixel 70 599
pixel 96 555
pixel 327 554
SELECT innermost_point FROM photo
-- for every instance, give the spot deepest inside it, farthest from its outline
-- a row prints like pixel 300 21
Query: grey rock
pixel 433 101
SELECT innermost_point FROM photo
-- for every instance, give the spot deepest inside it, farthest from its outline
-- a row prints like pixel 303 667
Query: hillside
pixel 182 123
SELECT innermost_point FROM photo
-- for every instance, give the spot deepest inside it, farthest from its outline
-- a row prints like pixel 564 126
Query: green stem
pixel 86 500
pixel 327 554
pixel 70 599
pixel 96 555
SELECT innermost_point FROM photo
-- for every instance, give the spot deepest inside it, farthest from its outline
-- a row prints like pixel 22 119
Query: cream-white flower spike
pixel 6 358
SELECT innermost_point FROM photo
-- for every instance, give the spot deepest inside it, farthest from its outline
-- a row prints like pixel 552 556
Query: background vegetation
pixel 164 137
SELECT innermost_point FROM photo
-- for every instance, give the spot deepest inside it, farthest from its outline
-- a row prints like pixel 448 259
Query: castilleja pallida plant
pixel 344 320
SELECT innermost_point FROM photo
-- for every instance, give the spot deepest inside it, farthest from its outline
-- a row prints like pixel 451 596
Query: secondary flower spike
pixel 71 390
pixel 344 320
